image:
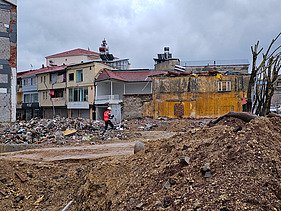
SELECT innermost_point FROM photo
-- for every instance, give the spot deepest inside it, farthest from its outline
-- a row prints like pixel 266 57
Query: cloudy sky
pixel 139 29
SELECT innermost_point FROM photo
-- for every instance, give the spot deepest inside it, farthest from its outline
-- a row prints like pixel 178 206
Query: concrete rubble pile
pixel 58 130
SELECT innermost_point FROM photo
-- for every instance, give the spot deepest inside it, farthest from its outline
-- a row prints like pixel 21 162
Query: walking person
pixel 106 117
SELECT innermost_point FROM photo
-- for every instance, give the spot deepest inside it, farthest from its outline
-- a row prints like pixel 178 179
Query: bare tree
pixel 263 78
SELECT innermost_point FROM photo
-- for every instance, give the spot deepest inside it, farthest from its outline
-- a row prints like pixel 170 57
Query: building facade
pixel 51 86
pixel 81 88
pixel 30 104
pixel 71 57
pixel 8 59
pixel 182 95
pixel 113 87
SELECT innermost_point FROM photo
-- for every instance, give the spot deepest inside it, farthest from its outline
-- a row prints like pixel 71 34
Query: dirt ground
pixel 186 165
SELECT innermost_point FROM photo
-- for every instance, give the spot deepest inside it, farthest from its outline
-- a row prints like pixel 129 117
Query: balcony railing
pixel 103 99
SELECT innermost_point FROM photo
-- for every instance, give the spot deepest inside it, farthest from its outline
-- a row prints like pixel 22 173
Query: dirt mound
pixel 230 166
pixel 224 169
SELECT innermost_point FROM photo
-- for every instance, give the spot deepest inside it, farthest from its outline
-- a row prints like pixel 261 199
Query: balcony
pixel 78 105
pixel 107 99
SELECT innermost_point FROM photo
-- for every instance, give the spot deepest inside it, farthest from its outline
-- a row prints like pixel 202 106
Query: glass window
pixel 78 94
pixel 71 77
pixel 53 78
pixel 35 97
pixel 26 98
pixel 79 75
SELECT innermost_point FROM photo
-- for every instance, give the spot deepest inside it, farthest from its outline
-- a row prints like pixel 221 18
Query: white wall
pixel 66 60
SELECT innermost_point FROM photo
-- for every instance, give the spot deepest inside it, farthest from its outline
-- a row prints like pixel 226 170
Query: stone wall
pixel 135 105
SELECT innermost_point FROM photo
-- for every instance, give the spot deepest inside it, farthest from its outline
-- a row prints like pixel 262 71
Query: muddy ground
pixel 186 165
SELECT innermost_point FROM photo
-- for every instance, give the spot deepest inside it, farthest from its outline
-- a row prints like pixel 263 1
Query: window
pixel 79 75
pixel 78 94
pixel 30 98
pixel 53 78
pixel 45 95
pixel 71 77
pixel 224 86
pixel 26 98
pixel 61 77
pixel 25 82
pixel 58 93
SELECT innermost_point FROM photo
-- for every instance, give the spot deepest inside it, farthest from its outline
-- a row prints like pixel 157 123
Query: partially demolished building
pixel 8 59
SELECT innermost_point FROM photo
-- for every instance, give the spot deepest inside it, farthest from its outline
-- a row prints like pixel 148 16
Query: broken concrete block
pixel 19 198
pixel 50 124
pixel 139 146
pixel 139 206
pixel 206 170
pixel 184 161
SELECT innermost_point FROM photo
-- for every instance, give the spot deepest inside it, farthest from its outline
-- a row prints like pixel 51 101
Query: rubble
pixel 199 168
pixel 59 130
pixel 139 146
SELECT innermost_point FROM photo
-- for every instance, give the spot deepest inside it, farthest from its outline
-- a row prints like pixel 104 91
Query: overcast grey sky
pixel 139 29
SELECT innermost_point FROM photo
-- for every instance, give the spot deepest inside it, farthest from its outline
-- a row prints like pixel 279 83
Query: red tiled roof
pixel 128 76
pixel 41 70
pixel 74 52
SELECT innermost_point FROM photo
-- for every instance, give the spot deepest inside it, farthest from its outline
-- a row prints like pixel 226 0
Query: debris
pixel 184 161
pixel 238 128
pixel 69 132
pixel 21 176
pixel 39 200
pixel 206 170
pixel 67 206
pixel 167 201
pixel 246 117
pixel 139 206
pixel 243 166
pixel 19 198
pixel 139 146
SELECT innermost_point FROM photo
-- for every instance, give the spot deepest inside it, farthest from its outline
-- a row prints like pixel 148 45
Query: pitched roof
pixel 41 70
pixel 14 2
pixel 128 76
pixel 74 52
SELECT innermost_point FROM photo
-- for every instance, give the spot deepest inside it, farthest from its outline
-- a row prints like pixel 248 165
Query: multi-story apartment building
pixel 8 59
pixel 30 104
pixel 51 86
pixel 81 88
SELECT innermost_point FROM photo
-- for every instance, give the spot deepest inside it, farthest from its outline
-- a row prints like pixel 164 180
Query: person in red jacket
pixel 106 117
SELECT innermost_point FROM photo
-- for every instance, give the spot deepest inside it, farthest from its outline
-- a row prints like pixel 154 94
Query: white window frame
pixel 224 86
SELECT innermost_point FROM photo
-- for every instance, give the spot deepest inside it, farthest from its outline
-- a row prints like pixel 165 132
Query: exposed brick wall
pixel 134 105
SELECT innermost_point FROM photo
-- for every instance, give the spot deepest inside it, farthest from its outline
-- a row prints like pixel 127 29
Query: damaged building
pixel 204 95
pixel 8 59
